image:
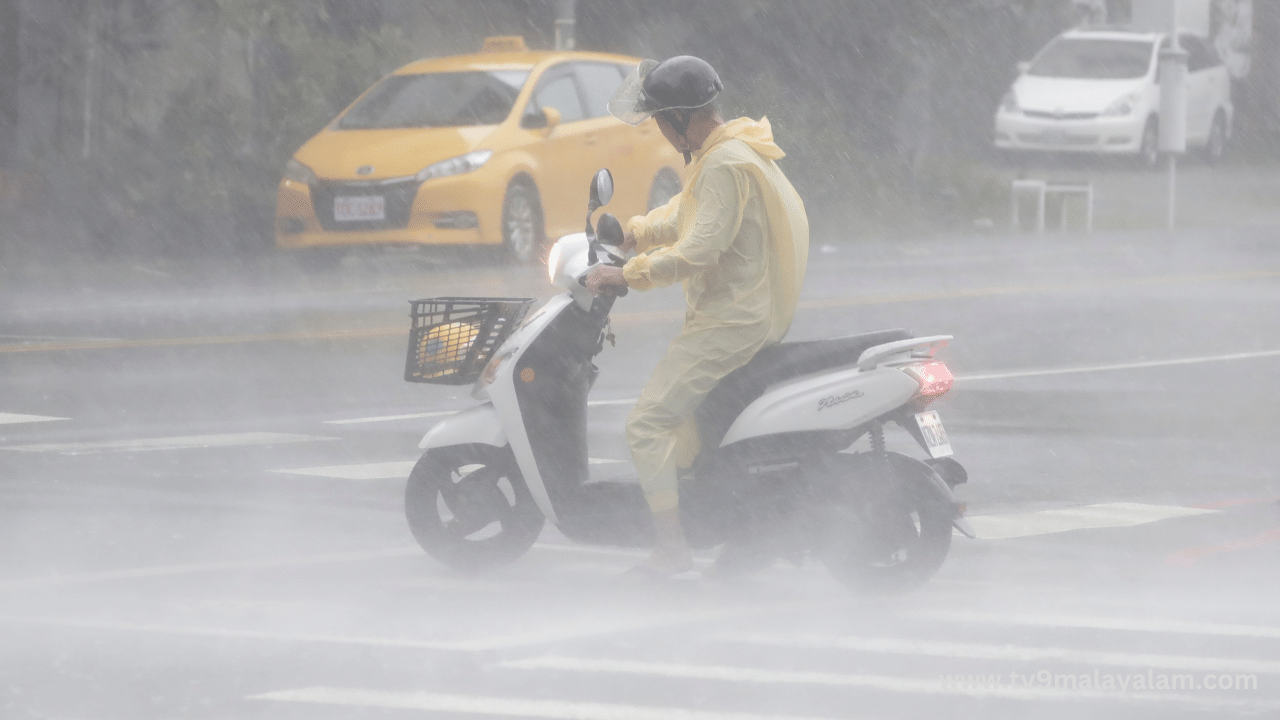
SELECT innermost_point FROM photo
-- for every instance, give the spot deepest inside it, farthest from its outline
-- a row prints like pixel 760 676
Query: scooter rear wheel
pixel 469 508
pixel 887 533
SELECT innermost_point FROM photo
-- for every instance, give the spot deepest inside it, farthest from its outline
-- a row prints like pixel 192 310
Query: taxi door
pixel 565 154
pixel 616 145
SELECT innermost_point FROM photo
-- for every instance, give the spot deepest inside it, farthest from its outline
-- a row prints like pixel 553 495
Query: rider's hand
pixel 602 276
pixel 628 243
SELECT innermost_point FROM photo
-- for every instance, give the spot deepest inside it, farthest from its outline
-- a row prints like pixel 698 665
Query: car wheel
pixel 1149 151
pixel 1216 146
pixel 666 185
pixel 522 227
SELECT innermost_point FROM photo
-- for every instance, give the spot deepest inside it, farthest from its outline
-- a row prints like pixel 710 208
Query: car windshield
pixel 453 99
pixel 1093 59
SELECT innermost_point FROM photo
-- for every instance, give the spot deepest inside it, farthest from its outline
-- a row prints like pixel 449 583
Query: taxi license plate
pixel 935 437
pixel 359 207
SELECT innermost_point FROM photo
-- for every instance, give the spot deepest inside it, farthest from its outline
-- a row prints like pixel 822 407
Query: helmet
pixel 681 82
pixel 443 349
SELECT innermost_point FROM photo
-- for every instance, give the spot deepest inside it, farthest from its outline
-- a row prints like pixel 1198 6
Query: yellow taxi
pixel 494 148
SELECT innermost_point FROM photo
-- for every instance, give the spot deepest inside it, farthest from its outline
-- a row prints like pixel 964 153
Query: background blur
pixel 162 126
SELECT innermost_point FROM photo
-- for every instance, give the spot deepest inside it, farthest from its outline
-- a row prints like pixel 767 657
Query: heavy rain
pixel 317 401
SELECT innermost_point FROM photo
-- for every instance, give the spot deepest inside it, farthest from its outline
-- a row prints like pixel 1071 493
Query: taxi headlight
pixel 297 172
pixel 455 166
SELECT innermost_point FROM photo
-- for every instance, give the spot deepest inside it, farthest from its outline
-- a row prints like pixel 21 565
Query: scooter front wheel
pixel 469 508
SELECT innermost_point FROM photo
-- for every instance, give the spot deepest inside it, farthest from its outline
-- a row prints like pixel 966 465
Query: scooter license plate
pixel 935 436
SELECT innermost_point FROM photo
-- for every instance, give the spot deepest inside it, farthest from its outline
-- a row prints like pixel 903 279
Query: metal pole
pixel 1173 109
pixel 90 70
pixel 565 24
pixel 1173 190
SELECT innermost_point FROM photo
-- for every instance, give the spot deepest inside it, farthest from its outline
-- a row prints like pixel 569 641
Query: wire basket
pixel 451 339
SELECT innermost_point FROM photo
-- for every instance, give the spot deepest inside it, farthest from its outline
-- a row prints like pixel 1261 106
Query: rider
pixel 738 237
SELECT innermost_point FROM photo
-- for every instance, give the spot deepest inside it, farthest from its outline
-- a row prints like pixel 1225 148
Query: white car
pixel 1098 91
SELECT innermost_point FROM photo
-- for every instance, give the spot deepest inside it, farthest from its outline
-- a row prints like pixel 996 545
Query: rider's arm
pixel 721 197
pixel 657 229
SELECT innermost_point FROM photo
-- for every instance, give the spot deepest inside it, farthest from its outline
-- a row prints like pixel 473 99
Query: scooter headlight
pixel 553 262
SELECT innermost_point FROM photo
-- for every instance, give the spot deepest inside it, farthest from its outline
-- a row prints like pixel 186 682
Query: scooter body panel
pixel 831 400
pixel 479 424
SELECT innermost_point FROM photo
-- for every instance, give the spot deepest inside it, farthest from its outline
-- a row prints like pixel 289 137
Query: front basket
pixel 451 339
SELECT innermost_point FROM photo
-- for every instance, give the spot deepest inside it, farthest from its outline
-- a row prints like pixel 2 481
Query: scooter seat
pixel 773 365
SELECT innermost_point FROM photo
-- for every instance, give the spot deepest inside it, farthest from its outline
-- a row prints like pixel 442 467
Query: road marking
pixel 385 471
pixel 1264 632
pixel 184 442
pixel 388 418
pixel 369 471
pixel 1104 515
pixel 401 331
pixel 15 418
pixel 1119 366
pixel 166 570
pixel 898 646
pixel 1187 557
pixel 442 413
pixel 885 683
pixel 518 707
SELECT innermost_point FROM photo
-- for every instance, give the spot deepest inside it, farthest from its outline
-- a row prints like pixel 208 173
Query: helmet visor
pixel 631 104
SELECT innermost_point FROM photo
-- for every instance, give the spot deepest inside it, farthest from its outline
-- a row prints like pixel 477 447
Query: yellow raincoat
pixel 738 237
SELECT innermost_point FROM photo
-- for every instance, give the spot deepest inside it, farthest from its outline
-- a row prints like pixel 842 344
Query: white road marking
pixel 15 418
pixel 885 683
pixel 1105 515
pixel 578 629
pixel 1120 366
pixel 166 570
pixel 898 646
pixel 388 418
pixel 1265 632
pixel 442 413
pixel 518 707
pixel 966 378
pixel 383 471
pixel 370 471
pixel 184 442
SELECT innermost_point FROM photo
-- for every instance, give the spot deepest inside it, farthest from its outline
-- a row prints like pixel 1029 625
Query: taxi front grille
pixel 397 196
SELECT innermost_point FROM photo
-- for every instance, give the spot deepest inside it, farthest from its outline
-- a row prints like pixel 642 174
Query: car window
pixel 453 99
pixel 599 81
pixel 1095 59
pixel 557 90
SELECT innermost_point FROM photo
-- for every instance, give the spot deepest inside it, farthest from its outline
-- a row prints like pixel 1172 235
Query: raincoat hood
pixel 757 134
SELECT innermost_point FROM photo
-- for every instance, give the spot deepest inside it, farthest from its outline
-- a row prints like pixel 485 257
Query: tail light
pixel 934 378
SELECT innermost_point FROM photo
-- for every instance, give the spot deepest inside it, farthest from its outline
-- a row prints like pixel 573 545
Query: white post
pixel 566 24
pixel 1173 109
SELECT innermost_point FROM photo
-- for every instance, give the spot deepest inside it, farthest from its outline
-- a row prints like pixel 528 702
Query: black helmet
pixel 681 82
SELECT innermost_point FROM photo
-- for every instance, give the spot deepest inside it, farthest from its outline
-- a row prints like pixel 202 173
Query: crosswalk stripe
pixel 169 443
pixel 976 651
pixel 482 705
pixel 1266 632
pixel 1104 515
pixel 16 418
pixel 383 471
pixel 885 683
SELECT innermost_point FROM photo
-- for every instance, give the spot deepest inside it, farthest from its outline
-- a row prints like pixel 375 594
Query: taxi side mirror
pixel 545 119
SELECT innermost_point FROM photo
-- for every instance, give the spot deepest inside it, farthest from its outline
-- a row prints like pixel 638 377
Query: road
pixel 201 468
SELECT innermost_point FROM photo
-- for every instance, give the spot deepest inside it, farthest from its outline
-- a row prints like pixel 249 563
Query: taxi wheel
pixel 666 185
pixel 522 226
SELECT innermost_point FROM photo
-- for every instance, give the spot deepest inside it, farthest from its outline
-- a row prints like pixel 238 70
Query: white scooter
pixel 774 473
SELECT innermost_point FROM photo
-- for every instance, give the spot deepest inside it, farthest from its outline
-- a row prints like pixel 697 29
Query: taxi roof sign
pixel 504 43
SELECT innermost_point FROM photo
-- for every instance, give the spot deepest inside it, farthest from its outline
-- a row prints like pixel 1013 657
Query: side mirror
pixel 545 119
pixel 601 190
pixel 1023 67
pixel 609 230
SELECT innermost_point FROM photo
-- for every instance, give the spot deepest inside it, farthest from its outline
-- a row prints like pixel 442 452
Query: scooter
pixel 775 473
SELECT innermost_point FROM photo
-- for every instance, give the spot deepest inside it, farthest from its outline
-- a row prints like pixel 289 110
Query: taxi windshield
pixel 1093 59
pixel 447 99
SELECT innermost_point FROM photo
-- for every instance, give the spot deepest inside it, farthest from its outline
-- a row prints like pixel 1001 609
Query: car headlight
pixel 1121 107
pixel 455 166
pixel 297 172
pixel 1010 103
